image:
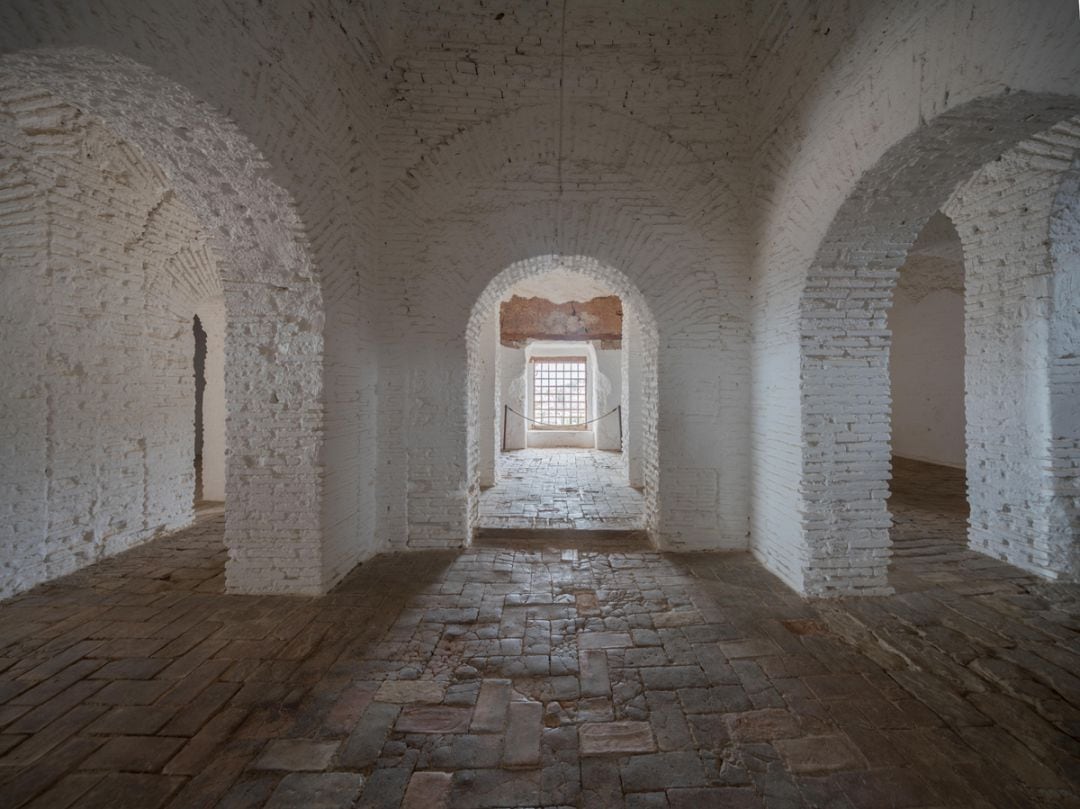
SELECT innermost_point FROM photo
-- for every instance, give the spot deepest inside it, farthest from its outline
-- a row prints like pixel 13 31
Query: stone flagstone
pixel 619 738
pixel 433 719
pixel 410 691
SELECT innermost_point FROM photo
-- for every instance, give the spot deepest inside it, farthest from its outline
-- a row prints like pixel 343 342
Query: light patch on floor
pixel 582 489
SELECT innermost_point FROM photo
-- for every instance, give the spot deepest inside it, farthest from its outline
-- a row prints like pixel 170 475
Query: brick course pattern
pixel 1018 224
pixel 363 171
pixel 838 204
pixel 106 268
pixel 845 387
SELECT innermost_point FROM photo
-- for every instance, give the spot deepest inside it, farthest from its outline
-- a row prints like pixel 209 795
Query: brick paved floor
pixel 498 677
pixel 561 488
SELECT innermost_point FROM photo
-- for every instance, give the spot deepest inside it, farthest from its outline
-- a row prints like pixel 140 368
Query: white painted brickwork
pixel 858 140
pixel 243 101
pixel 643 141
pixel 754 173
pixel 273 526
pixel 1021 313
pixel 642 341
pixel 106 271
pixel 845 391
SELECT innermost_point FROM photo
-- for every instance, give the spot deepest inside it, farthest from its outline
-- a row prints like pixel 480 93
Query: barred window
pixel 560 391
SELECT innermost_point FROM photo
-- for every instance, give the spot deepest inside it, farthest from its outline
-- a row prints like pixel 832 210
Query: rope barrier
pixel 564 426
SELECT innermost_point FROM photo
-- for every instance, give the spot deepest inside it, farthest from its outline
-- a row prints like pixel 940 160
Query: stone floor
pixel 580 489
pixel 498 678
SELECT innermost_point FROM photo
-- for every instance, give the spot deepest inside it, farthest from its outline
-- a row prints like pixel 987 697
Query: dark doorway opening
pixel 200 389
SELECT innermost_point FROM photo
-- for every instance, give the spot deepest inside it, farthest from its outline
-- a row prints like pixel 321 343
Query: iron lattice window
pixel 560 392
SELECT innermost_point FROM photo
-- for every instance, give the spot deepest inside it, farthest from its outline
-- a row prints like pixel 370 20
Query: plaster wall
pixel 609 394
pixel 512 390
pixel 927 377
pixel 513 386
pixel 926 360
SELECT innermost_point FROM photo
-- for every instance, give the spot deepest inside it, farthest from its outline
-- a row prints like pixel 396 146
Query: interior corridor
pixel 930 511
pixel 499 678
pixel 579 489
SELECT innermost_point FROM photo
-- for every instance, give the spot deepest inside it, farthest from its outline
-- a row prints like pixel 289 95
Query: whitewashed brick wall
pixel 636 114
pixel 856 142
pixel 845 388
pixel 1021 310
pixel 273 527
pixel 1062 484
pixel 242 100
pixel 662 255
pixel 104 268
pixel 363 171
pixel 480 338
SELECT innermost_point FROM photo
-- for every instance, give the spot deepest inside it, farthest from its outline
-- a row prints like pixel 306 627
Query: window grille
pixel 560 392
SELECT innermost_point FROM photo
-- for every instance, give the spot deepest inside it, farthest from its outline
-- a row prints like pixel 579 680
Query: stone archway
pixel 641 443
pixel 273 301
pixel 458 218
pixel 844 353
pixel 106 268
pixel 1017 218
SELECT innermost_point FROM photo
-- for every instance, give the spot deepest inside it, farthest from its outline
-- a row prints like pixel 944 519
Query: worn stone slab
pixel 489 716
pixel 668 721
pixel 662 678
pixel 133 754
pixel 405 691
pixel 348 709
pixel 615 738
pixel 940 698
pixel 522 744
pixel 595 681
pixel 428 790
pixel 661 771
pixel 595 709
pixel 819 754
pixel 316 791
pixel 385 788
pixel 296 755
pixel 702 797
pixel 753 647
pixel 481 789
pixel 665 620
pixel 125 790
pixel 365 743
pixel 433 719
pixel 764 725
pixel 587 603
pixel 452 616
pixel 604 640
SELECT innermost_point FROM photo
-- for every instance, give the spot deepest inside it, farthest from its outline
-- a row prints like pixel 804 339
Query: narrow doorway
pixel 926 367
pixel 200 393
pixel 208 366
pixel 560 393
